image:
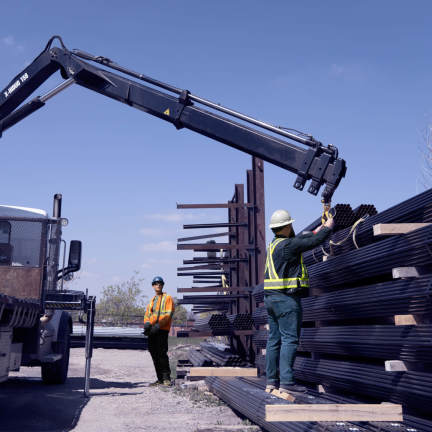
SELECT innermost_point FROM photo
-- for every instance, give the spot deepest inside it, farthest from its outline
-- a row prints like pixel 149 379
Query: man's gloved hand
pixel 147 328
pixel 155 329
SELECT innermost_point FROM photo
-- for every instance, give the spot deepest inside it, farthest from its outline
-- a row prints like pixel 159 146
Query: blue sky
pixel 353 74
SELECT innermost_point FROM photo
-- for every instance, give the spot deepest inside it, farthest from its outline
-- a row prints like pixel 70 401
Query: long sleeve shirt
pixel 287 255
pixel 160 310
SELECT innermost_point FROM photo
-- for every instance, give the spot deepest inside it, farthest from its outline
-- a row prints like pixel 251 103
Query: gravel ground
pixel 120 401
pixel 126 403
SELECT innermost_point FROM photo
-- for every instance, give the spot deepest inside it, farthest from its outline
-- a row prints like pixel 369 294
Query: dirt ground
pixel 120 401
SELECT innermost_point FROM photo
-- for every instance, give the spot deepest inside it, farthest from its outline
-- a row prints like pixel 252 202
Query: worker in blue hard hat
pixel 285 279
pixel 157 324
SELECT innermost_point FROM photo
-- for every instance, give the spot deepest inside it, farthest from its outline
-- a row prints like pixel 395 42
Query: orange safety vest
pixel 160 311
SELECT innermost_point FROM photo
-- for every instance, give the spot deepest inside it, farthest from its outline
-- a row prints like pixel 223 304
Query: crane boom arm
pixel 317 163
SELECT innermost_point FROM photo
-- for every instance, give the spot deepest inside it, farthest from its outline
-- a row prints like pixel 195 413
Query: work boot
pixel 166 383
pixel 293 388
pixel 156 383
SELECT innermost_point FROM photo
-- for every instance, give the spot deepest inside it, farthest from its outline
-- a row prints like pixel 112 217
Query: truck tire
pixel 56 372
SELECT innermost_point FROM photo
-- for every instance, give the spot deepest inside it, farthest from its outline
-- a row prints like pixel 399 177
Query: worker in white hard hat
pixel 284 280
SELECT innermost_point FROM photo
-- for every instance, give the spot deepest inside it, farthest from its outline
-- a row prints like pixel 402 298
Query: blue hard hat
pixel 157 279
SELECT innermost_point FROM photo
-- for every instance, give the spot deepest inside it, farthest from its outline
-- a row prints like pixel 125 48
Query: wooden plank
pixel 405 272
pixel 333 412
pixel 395 366
pixel 405 320
pixel 223 371
pixel 397 228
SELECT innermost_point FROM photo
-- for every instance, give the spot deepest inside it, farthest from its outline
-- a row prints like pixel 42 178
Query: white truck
pixel 35 328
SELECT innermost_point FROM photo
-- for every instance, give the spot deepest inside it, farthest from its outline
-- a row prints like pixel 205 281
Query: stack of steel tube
pixel 397 297
pixel 247 396
pixel 407 343
pixel 242 321
pixel 218 324
pixel 386 299
pixel 416 209
pixel 378 259
pixel 221 357
pixel 343 216
pixel 198 359
pixel 413 389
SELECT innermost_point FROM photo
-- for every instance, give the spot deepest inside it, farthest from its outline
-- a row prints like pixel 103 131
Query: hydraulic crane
pixel 318 163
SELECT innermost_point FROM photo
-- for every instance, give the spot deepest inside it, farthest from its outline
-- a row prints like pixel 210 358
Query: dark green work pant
pixel 284 318
pixel 158 348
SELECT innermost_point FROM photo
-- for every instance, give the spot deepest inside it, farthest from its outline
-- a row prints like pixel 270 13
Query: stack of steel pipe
pixel 248 397
pixel 343 216
pixel 242 321
pixel 221 357
pixel 377 259
pixel 416 209
pixel 397 297
pixel 413 389
pixel 198 359
pixel 202 324
pixel 407 343
pixel 314 397
pixel 364 210
pixel 218 324
pixel 410 423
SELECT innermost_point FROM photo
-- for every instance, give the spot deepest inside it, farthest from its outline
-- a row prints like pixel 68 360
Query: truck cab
pixel 34 327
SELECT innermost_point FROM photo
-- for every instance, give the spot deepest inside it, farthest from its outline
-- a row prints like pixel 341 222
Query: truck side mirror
pixel 74 261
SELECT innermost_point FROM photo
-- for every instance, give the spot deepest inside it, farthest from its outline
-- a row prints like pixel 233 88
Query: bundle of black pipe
pixel 241 321
pixel 412 389
pixel 364 210
pixel 343 216
pixel 247 396
pixel 202 324
pixel 221 357
pixel 198 359
pixel 386 299
pixel 407 343
pixel 218 324
pixel 416 209
pixel 378 259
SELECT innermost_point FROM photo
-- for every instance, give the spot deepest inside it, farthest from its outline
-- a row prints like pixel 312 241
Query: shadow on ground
pixel 26 404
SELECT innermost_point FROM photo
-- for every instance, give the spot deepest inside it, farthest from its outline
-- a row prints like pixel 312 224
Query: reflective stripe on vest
pixel 274 281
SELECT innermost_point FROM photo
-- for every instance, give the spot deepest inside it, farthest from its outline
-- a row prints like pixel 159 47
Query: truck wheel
pixel 56 372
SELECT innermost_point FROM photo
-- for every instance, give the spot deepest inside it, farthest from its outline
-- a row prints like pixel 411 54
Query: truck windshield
pixel 20 243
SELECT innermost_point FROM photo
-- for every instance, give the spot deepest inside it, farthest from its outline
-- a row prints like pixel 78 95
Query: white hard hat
pixel 280 218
